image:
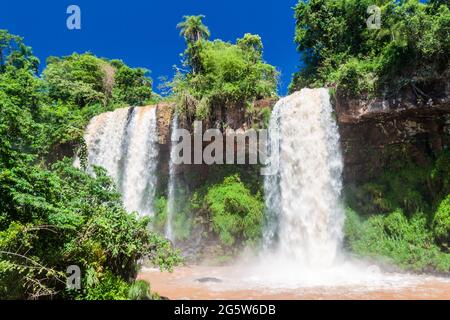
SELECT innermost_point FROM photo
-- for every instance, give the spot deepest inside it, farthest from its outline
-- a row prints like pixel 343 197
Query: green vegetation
pixel 160 219
pixel 395 238
pixel 403 217
pixel 236 215
pixel 441 222
pixel 83 79
pixel 140 290
pixel 230 205
pixel 222 76
pixel 53 215
pixel 409 50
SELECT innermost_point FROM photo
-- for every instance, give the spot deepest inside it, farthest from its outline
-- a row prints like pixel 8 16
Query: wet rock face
pixel 375 133
pixel 164 113
pixel 238 119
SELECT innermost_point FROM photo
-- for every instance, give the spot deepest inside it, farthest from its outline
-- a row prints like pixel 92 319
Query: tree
pixel 14 52
pixel 84 79
pixel 232 76
pixel 251 43
pixel 77 79
pixel 194 31
pixel 7 41
pixel 339 50
pixel 131 85
pixel 24 58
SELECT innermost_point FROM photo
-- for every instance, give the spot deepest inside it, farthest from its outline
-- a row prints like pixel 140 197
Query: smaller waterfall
pixel 272 182
pixel 171 205
pixel 139 181
pixel 124 142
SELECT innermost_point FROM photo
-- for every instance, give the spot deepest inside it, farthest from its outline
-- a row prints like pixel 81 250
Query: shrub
pixel 109 287
pixel 139 290
pixel 236 214
pixel 405 242
pixel 441 221
pixel 160 219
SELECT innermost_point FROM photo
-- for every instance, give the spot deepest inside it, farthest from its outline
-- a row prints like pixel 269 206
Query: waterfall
pixel 171 207
pixel 124 142
pixel 272 181
pixel 305 218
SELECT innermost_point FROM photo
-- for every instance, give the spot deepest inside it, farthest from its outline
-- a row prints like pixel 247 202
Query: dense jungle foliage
pixel 223 208
pixel 410 49
pixel 53 215
pixel 403 217
pixel 220 75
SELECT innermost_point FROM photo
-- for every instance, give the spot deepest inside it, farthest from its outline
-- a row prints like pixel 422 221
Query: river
pixel 202 282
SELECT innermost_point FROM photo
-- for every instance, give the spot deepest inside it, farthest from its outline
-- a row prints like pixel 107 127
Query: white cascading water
pixel 272 192
pixel 304 230
pixel 303 199
pixel 172 182
pixel 124 142
pixel 139 182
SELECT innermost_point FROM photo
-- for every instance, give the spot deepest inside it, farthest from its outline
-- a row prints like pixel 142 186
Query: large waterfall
pixel 124 142
pixel 302 200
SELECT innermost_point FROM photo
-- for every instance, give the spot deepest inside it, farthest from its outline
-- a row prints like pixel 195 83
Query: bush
pixel 405 242
pixel 441 221
pixel 400 220
pixel 160 219
pixel 139 290
pixel 236 215
pixel 356 77
pixel 110 287
pixel 64 217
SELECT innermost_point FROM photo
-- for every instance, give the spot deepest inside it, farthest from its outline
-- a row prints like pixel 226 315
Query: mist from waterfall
pixel 124 142
pixel 305 218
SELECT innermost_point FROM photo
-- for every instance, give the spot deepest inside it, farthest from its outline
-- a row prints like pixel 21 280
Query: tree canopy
pixel 338 49
pixel 221 74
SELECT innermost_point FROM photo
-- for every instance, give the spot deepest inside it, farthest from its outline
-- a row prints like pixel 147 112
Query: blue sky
pixel 143 32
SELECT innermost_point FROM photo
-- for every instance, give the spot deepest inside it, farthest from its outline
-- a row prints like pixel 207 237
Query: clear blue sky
pixel 143 33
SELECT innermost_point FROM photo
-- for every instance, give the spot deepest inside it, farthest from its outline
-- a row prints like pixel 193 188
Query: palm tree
pixel 193 29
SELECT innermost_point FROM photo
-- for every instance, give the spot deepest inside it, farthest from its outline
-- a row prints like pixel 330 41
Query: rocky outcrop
pixel 164 112
pixel 374 133
pixel 410 127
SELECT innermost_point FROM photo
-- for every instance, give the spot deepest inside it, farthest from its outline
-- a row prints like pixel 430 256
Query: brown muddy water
pixel 245 283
